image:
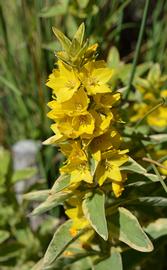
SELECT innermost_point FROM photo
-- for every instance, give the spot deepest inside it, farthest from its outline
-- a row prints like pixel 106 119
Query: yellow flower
pixel 79 223
pixel 107 100
pixel 77 105
pixel 76 214
pixel 109 166
pixel 163 93
pixel 110 139
pixel 73 127
pixel 65 127
pixel 74 151
pixel 57 138
pixel 84 124
pixel 117 188
pixel 78 172
pixel 163 170
pixel 94 76
pixel 102 121
pixel 84 115
pixel 158 118
pixel 141 109
pixel 63 82
pixel 91 50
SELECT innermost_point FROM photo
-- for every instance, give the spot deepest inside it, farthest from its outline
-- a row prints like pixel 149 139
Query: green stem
pixel 159 160
pixel 158 174
pixel 139 41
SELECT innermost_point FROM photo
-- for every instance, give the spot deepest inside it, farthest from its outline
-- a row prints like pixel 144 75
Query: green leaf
pixel 154 73
pixel 158 138
pixel 51 46
pixel 3 235
pixel 10 85
pixel 133 166
pixel 24 174
pixel 38 265
pixel 58 9
pixel 125 226
pixel 75 47
pixel 61 183
pixel 40 195
pixel 83 3
pixel 4 161
pixel 2 189
pixel 125 73
pixel 51 202
pixel 113 58
pixel 78 257
pixel 153 177
pixel 65 42
pixel 113 262
pixel 79 35
pixel 151 201
pixel 93 164
pixel 142 68
pixel 94 211
pixel 157 228
pixel 82 264
pixel 10 250
pixel 61 239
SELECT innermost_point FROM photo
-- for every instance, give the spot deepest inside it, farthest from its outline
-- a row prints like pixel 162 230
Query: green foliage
pixel 21 175
pixel 20 246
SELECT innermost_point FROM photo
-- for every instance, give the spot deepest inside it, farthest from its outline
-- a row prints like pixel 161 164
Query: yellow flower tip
pixel 73 232
pixel 91 50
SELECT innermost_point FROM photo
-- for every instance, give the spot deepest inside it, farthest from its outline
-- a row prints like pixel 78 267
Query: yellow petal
pixel 117 189
pixel 92 90
pixel 103 74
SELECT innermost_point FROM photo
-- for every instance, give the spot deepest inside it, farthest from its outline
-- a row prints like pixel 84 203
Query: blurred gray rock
pixel 24 154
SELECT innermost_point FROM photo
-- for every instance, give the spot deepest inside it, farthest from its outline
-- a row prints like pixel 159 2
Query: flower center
pixel 92 81
pixel 78 106
pixel 83 120
pixel 70 84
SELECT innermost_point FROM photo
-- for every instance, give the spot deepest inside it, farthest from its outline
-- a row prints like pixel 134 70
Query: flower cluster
pixel 152 94
pixel 151 90
pixel 85 118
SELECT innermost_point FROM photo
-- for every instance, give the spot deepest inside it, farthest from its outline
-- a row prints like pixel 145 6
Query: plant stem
pixel 155 162
pixel 158 174
pixel 139 41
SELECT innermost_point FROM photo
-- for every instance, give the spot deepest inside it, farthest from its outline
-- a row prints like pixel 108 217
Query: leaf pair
pixel 50 198
pixel 71 47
